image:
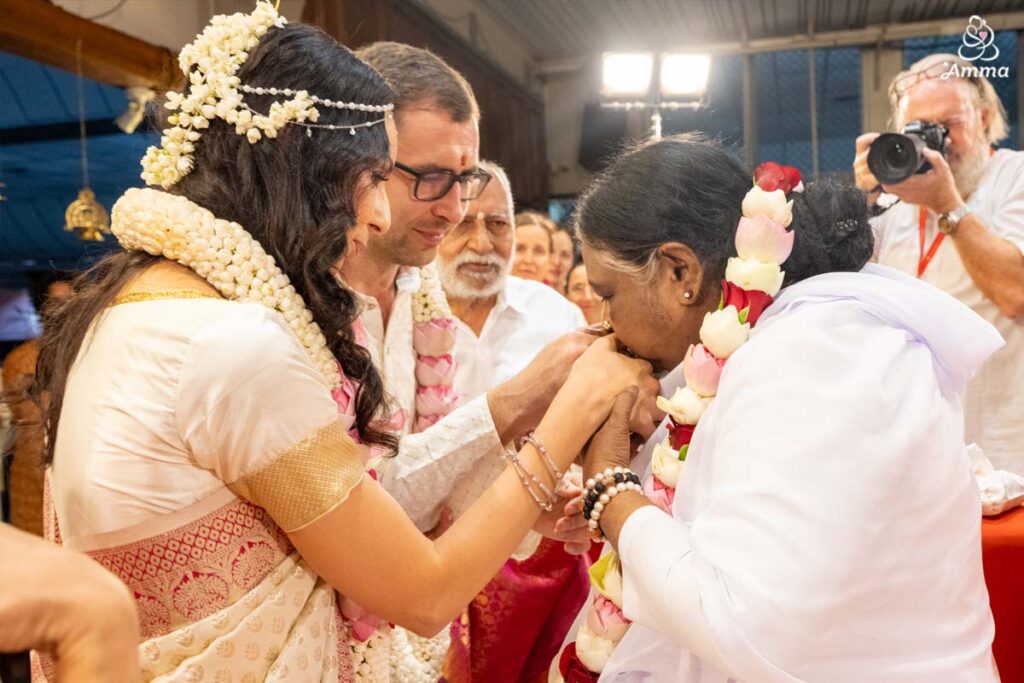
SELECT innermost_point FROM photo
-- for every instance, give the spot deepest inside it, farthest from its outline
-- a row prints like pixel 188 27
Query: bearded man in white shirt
pixel 519 620
pixel 960 227
pixel 503 321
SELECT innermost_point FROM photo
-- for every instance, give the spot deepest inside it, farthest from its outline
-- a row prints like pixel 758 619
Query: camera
pixel 894 157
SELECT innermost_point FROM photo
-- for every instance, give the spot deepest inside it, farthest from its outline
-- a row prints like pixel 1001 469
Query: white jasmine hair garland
pixel 211 63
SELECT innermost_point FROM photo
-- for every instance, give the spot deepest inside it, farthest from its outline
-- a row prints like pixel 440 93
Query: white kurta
pixel 423 473
pixel 526 317
pixel 826 523
pixel 994 400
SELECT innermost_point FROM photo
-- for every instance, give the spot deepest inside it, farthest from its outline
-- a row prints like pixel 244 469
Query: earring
pixel 687 294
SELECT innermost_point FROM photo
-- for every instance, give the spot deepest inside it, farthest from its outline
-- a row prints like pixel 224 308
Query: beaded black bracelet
pixel 600 490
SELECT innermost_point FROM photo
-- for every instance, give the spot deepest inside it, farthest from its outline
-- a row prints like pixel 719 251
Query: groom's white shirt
pixel 846 551
pixel 429 463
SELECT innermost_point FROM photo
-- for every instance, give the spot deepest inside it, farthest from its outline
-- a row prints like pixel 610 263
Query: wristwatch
pixel 949 222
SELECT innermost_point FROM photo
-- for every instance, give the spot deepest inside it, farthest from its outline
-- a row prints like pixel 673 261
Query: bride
pixel 809 514
pixel 195 447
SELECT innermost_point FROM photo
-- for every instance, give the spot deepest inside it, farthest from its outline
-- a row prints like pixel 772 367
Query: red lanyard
pixel 924 259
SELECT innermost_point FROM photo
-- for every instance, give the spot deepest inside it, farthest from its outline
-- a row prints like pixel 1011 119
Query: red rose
pixel 679 435
pixel 770 176
pixel 754 300
pixel 792 177
pixel 572 669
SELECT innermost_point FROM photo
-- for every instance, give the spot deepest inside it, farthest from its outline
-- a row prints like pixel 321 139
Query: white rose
pixel 751 274
pixel 593 650
pixel 772 204
pixel 686 406
pixel 666 465
pixel 721 333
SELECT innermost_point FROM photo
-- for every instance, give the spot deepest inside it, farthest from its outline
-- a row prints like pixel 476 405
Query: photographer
pixel 960 226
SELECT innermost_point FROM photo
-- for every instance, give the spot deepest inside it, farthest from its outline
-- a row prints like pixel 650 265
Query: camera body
pixel 895 157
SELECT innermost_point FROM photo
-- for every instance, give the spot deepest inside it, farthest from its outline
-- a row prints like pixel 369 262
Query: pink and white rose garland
pixel 763 243
pixel 433 339
pixel 413 658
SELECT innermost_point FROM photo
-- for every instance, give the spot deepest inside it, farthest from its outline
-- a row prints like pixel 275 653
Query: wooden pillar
pixel 353 23
pixel 40 31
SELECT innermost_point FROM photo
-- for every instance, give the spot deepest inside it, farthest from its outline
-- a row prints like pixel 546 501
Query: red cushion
pixel 1002 540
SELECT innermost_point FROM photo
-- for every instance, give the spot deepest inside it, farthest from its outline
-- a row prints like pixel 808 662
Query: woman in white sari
pixel 823 524
pixel 196 446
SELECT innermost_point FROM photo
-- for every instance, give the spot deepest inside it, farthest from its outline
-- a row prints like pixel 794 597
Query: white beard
pixel 462 285
pixel 967 171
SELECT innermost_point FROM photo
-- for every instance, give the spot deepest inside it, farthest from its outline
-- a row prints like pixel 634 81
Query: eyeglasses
pixel 432 185
pixel 904 81
pixel 498 226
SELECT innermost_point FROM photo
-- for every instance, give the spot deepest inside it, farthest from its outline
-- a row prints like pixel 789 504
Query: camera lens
pixel 894 157
pixel 898 155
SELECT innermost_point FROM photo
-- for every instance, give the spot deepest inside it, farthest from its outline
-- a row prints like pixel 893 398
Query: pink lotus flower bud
pixel 434 338
pixel 359 333
pixel 436 400
pixel 606 620
pixel 344 395
pixel 364 624
pixel 395 421
pixel 702 370
pixel 762 239
pixel 434 370
pixel 659 494
pixel 424 422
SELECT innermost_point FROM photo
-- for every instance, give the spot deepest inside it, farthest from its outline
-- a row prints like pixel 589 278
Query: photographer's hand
pixel 935 189
pixel 863 176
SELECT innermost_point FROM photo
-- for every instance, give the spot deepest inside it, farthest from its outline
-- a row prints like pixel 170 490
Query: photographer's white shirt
pixel 994 399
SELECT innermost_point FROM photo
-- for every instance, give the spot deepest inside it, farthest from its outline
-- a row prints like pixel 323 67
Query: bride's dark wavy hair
pixel 296 195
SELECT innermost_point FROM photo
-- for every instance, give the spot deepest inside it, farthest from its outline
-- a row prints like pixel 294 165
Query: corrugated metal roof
pixel 560 29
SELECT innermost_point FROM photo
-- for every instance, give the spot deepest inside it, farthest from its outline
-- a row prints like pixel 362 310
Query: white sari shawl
pixel 826 525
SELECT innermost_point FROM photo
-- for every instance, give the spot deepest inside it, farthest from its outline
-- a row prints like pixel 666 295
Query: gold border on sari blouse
pixel 159 295
pixel 308 480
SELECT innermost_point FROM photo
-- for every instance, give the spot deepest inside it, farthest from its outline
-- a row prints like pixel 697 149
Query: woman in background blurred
pixel 580 293
pixel 534 244
pixel 563 251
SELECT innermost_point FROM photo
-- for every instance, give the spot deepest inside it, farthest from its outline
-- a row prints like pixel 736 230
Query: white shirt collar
pixel 406 282
pixel 513 295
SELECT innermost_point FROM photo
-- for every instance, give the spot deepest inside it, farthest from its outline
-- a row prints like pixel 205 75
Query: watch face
pixel 945 226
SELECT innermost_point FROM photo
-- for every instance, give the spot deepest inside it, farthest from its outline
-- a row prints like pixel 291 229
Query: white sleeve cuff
pixel 659 581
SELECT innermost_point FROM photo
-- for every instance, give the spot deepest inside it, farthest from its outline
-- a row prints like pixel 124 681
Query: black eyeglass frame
pixel 463 178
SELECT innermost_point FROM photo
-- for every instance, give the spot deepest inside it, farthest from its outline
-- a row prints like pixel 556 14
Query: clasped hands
pixel 632 418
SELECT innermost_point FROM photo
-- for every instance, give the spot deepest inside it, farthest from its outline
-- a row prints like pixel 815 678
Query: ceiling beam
pixel 43 32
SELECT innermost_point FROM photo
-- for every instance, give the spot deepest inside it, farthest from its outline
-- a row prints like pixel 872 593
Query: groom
pixel 435 175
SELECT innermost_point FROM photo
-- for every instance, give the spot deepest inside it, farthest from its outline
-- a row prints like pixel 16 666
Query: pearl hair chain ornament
pixel 215 91
pixel 351 106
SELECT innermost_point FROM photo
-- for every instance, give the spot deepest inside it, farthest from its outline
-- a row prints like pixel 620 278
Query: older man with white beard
pixel 519 620
pixel 503 321
pixel 960 227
